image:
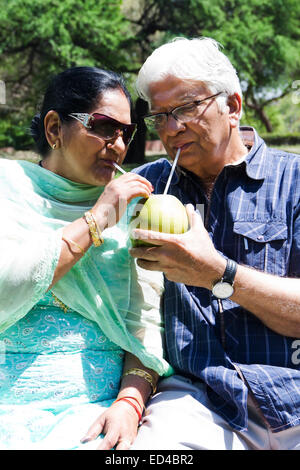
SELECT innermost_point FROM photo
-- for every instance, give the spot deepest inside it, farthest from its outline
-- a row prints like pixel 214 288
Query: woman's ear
pixel 234 103
pixel 52 126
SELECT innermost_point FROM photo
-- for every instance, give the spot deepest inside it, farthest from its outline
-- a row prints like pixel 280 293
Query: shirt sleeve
pixel 294 270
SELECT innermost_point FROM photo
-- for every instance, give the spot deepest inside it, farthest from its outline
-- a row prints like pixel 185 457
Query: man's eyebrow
pixel 187 97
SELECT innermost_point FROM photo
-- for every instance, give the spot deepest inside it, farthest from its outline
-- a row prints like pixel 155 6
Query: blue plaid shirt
pixel 253 217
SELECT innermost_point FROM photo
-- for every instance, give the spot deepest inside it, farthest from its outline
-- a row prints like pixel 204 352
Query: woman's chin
pixel 103 176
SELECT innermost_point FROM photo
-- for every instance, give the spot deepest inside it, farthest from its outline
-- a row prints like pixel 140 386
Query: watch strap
pixel 230 271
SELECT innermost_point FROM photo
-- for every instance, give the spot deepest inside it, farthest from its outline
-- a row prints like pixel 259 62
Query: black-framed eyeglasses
pixel 106 127
pixel 184 113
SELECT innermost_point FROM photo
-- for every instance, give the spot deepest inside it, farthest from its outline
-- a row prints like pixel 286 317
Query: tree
pixel 42 37
pixel 261 37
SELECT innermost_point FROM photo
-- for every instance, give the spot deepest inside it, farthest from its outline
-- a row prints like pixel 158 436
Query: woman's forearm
pixel 76 240
pixel 134 385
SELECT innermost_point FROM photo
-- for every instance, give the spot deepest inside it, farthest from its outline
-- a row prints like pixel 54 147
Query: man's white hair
pixel 199 60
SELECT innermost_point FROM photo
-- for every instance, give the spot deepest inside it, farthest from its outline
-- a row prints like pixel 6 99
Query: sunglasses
pixel 106 127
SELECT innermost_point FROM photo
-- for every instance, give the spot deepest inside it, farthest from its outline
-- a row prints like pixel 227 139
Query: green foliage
pixel 39 38
pixel 281 139
pixel 283 114
pixel 261 37
pixel 72 32
pixel 43 37
pixel 14 132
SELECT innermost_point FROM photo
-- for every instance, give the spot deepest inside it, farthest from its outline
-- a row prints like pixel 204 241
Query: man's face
pixel 204 139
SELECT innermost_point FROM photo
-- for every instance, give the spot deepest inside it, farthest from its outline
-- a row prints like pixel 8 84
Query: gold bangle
pixel 68 241
pixel 94 228
pixel 144 375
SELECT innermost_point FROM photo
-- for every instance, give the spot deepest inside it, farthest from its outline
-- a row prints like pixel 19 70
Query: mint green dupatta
pixel 104 286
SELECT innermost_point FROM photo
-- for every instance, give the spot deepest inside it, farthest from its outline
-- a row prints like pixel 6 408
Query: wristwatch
pixel 223 288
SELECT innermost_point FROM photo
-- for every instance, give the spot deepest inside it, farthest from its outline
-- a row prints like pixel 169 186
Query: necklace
pixel 59 303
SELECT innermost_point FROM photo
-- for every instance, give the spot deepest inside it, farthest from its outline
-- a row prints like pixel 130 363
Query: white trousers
pixel 180 417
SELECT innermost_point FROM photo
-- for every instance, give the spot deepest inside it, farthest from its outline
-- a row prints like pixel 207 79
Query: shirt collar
pixel 255 161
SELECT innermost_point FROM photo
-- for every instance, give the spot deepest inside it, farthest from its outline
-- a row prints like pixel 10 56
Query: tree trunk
pixel 264 119
pixel 136 151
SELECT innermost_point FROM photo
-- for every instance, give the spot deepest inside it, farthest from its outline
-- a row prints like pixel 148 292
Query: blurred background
pixel 39 38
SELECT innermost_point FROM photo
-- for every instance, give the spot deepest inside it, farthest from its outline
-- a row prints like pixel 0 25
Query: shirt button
pixel 260 237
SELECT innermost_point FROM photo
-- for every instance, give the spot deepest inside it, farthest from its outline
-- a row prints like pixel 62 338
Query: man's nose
pixel 173 126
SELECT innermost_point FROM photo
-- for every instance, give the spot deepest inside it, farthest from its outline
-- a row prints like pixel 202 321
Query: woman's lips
pixel 108 162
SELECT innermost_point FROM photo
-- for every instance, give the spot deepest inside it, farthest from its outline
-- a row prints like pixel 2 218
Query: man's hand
pixel 190 258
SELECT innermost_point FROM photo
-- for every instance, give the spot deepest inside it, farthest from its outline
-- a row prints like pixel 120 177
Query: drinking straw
pixel 119 168
pixel 172 171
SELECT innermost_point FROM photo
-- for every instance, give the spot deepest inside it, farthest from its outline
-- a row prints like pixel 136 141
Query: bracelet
pixel 130 403
pixel 68 241
pixel 132 398
pixel 94 228
pixel 135 399
pixel 144 375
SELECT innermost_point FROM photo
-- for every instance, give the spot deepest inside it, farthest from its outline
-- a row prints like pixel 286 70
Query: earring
pixel 54 146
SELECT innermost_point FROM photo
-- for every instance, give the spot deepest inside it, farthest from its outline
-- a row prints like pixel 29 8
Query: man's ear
pixel 234 103
pixel 52 126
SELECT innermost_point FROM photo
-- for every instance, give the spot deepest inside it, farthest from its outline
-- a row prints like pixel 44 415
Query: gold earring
pixel 54 146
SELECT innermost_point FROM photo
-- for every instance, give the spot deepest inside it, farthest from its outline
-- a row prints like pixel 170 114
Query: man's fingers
pixel 151 236
pixel 195 219
pixel 149 265
pixel 147 253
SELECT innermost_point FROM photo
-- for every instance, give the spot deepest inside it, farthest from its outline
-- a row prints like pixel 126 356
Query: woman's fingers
pixel 123 444
pixel 94 430
pixel 109 441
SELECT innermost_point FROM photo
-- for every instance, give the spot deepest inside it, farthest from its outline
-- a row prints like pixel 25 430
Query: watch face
pixel 222 290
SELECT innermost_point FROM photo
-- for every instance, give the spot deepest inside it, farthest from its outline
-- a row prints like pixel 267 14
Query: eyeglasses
pixel 106 127
pixel 184 113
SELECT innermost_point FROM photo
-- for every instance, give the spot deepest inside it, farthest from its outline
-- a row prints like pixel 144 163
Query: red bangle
pixel 133 398
pixel 132 404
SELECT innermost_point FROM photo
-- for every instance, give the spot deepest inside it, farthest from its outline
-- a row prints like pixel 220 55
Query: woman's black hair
pixel 76 90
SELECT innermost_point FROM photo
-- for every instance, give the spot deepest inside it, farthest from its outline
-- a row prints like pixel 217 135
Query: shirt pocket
pixel 262 245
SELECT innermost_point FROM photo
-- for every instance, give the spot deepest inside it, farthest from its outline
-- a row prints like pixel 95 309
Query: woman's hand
pixel 108 210
pixel 112 203
pixel 119 423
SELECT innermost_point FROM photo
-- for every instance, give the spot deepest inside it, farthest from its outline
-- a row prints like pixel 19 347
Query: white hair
pixel 199 60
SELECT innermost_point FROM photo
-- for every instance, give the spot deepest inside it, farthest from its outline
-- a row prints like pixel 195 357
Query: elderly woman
pixel 72 300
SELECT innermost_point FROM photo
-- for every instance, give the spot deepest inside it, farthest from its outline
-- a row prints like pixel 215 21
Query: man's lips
pixel 182 146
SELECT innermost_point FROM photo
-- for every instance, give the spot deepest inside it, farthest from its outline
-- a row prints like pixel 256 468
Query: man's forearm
pixel 274 300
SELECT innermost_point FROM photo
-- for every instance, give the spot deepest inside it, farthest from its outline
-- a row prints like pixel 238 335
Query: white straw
pixel 119 168
pixel 172 171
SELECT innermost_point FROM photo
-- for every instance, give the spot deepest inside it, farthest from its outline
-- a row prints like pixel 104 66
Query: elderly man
pixel 232 288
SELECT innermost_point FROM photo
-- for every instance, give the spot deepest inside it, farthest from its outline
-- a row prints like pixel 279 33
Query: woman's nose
pixel 117 143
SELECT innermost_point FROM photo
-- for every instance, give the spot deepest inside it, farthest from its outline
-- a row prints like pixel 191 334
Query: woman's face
pixel 84 157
